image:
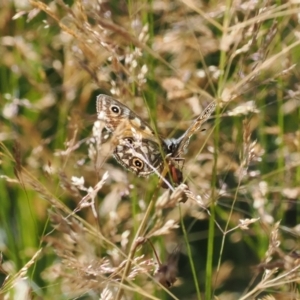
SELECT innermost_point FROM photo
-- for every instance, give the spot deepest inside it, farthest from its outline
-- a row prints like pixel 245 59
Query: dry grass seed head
pixel 274 242
pixel 167 227
pixel 170 198
pixel 81 269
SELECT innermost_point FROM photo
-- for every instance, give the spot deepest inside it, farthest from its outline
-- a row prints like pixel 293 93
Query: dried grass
pixel 103 233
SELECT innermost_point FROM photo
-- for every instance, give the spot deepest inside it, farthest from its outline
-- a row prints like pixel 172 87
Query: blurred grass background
pixel 166 60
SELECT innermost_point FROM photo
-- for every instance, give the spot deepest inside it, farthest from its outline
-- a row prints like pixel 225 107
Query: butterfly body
pixel 138 148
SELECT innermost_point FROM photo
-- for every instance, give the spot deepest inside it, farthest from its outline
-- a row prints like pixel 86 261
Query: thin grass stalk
pixel 189 252
pixel 210 247
pixel 209 258
pixel 280 160
pixel 297 177
pixel 223 57
pixel 209 263
pixel 133 247
pixel 227 224
pixel 211 231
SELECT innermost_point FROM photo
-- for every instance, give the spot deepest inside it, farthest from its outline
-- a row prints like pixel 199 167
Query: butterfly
pixel 138 148
pixel 167 272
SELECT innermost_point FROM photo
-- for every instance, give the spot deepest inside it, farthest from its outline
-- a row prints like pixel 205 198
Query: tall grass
pixel 75 224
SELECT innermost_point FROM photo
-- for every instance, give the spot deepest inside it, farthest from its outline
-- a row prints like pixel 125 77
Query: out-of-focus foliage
pixel 75 224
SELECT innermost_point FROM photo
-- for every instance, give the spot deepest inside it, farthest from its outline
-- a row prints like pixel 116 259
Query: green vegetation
pixel 74 224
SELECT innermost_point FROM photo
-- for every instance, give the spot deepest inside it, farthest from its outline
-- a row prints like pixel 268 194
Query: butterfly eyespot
pixel 115 109
pixel 138 163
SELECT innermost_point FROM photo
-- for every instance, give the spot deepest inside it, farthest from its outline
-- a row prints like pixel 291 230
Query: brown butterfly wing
pixel 138 148
pixel 114 113
pixel 184 140
pixel 142 157
pixel 175 147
